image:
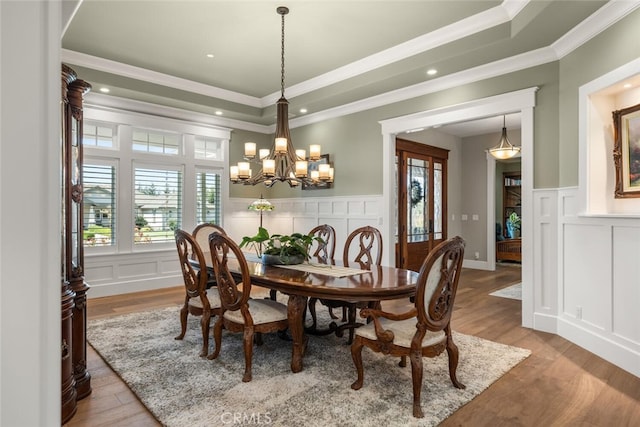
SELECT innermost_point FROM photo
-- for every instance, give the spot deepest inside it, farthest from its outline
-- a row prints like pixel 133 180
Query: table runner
pixel 327 270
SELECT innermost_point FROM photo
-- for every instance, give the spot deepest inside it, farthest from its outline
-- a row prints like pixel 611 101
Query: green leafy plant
pixel 515 220
pixel 282 245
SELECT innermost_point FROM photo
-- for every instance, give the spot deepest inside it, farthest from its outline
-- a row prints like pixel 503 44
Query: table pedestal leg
pixel 295 309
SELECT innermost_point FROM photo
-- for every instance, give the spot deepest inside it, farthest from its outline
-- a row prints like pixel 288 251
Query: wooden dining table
pixel 325 282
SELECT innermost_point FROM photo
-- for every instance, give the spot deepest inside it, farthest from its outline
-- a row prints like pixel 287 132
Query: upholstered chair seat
pixel 262 311
pixel 403 332
pixel 212 296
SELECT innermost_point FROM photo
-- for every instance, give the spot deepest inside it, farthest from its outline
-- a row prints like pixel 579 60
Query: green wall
pixel 609 50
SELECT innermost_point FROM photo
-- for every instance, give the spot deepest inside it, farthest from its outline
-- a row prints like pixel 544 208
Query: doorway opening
pixel 522 101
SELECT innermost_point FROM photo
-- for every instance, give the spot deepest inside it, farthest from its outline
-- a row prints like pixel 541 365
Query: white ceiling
pixel 337 53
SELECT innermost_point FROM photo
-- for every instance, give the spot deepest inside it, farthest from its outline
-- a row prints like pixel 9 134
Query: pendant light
pixel 504 150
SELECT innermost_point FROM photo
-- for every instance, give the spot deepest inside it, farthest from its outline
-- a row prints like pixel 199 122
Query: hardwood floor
pixel 560 384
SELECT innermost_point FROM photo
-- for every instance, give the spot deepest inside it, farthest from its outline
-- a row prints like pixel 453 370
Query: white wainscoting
pixel 302 214
pixel 124 273
pixel 599 282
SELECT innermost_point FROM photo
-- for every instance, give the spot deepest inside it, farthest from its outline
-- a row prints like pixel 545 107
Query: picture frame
pixel 626 151
pixel 313 166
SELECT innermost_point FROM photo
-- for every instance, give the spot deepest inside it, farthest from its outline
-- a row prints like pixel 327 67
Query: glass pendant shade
pixel 504 150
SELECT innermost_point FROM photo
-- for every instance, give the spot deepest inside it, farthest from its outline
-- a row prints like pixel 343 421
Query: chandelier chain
pixel 282 60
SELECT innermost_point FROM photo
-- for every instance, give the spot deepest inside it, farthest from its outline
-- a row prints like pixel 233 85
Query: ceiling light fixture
pixel 432 72
pixel 282 163
pixel 504 150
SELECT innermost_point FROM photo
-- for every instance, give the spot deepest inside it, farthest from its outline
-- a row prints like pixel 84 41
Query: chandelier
pixel 504 150
pixel 282 163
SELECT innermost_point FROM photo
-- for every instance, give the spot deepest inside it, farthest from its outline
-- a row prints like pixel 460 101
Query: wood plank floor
pixel 560 384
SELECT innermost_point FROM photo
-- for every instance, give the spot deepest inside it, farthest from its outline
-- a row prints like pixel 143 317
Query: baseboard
pixel 476 265
pixel 613 352
pixel 545 323
pixel 119 288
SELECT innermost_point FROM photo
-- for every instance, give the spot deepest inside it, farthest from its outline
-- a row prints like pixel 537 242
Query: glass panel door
pixel 421 205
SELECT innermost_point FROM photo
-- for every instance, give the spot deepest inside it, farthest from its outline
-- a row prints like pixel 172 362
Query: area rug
pixel 182 389
pixel 512 292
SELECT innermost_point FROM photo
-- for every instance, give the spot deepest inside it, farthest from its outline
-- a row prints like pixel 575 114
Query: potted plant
pixel 280 248
pixel 513 224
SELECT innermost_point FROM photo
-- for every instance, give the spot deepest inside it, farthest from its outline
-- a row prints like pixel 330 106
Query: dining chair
pixel 198 301
pixel 424 330
pixel 240 313
pixel 201 234
pixel 364 248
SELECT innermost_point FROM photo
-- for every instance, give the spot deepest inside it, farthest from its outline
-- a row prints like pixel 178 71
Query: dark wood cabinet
pixel 76 381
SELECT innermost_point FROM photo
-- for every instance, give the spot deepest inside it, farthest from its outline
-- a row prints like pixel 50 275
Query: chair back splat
pixel 324 251
pixel 368 242
pixel 230 296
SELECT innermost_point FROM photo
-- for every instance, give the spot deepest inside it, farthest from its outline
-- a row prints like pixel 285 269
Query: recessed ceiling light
pixel 210 55
pixel 432 72
pixel 104 89
pixel 627 85
pixel 218 113
pixel 303 110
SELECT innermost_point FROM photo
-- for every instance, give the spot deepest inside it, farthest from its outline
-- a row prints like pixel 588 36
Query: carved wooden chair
pixel 201 234
pixel 368 244
pixel 425 330
pixel 239 312
pixel 197 300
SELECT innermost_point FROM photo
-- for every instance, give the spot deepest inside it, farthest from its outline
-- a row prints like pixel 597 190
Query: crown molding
pixel 599 21
pixel 130 71
pixel 471 75
pixel 107 102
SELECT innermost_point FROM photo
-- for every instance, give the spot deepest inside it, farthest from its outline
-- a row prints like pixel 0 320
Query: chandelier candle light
pixel 504 150
pixel 282 163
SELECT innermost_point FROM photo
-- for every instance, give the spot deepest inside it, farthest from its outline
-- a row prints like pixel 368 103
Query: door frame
pixel 523 101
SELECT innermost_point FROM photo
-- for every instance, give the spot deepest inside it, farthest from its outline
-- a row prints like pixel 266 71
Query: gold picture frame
pixel 626 151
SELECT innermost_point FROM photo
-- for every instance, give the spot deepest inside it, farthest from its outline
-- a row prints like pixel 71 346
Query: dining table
pixel 324 281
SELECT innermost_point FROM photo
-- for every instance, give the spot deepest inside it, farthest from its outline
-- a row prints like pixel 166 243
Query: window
pixel 208 148
pixel 155 142
pixel 208 197
pixel 99 135
pixel 99 203
pixel 157 204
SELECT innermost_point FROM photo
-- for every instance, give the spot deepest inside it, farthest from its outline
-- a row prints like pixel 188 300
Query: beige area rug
pixel 182 389
pixel 511 292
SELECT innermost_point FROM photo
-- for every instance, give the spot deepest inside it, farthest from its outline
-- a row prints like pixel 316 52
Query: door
pixel 421 208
